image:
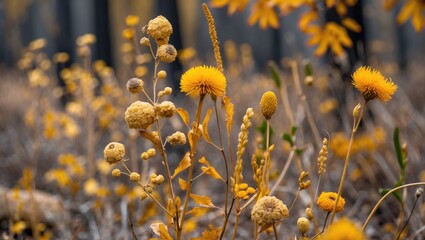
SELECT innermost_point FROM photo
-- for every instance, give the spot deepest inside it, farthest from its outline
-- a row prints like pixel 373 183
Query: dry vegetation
pixel 294 153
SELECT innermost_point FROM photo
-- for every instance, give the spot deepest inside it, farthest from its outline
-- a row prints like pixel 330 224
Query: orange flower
pixel 372 84
pixel 326 202
pixel 264 13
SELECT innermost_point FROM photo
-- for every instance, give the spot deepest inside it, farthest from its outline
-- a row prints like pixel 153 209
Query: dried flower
pixel 134 177
pixel 116 172
pixel 203 80
pixel 145 42
pixel 268 104
pixel 114 152
pixel 303 225
pixel 144 156
pixel 177 138
pixel 168 90
pixel 344 229
pixel 165 109
pixel 326 202
pixel 269 210
pixel 151 152
pixel 167 53
pixel 309 213
pixel 372 84
pixel 135 85
pixel 160 29
pixel 162 74
pixel 140 115
pixel 323 157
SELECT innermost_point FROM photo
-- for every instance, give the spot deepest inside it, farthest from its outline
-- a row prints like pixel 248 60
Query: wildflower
pixel 140 115
pixel 372 84
pixel 203 80
pixel 116 172
pixel 303 225
pixel 264 13
pixel 167 53
pixel 326 202
pixel 268 104
pixel 413 9
pixel 177 138
pixel 165 109
pixel 162 74
pixel 160 29
pixel 135 85
pixel 91 186
pixel 145 42
pixel 269 210
pixel 134 177
pixel 114 152
pixel 343 229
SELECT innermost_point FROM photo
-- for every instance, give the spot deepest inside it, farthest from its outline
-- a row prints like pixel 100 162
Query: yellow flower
pixel 264 13
pixel 326 202
pixel 268 104
pixel 234 5
pixel 372 84
pixel 413 9
pixel 344 229
pixel 203 80
pixel 332 36
pixel 269 210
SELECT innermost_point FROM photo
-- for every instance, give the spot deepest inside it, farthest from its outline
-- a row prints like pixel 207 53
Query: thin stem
pixel 283 173
pixel 275 232
pixel 237 210
pixel 384 197
pixel 347 158
pixel 323 229
pixel 295 199
pixel 408 218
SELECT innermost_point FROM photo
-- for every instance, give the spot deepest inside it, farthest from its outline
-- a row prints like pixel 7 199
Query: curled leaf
pixel 184 115
pixel 205 126
pixel 202 200
pixel 184 163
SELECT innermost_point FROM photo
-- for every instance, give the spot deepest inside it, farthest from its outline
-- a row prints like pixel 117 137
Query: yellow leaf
pixel 184 115
pixel 211 234
pixel 418 19
pixel 161 230
pixel 323 46
pixel 183 184
pixel 351 24
pixel 212 172
pixel 153 139
pixel 184 163
pixel 205 126
pixel 229 108
pixel 306 19
pixel 193 140
pixel 406 12
pixel 198 211
pixel 341 9
pixel 202 200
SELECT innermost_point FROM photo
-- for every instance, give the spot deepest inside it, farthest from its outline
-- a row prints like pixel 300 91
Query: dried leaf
pixel 153 139
pixel 198 211
pixel 202 200
pixel 184 115
pixel 211 234
pixel 183 184
pixel 229 108
pixel 184 163
pixel 161 230
pixel 212 172
pixel 351 24
pixel 205 126
pixel 193 140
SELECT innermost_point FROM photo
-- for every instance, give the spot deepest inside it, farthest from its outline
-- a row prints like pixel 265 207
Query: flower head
pixel 344 229
pixel 326 202
pixel 114 152
pixel 269 210
pixel 372 84
pixel 268 104
pixel 140 115
pixel 203 80
pixel 160 29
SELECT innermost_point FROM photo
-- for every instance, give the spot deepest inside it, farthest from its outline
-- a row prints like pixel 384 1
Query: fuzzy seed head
pixel 268 104
pixel 177 138
pixel 140 115
pixel 135 85
pixel 114 152
pixel 269 210
pixel 160 29
pixel 165 109
pixel 167 53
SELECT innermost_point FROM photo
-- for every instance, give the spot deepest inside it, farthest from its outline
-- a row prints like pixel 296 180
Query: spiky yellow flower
pixel 326 202
pixel 203 80
pixel 372 84
pixel 344 229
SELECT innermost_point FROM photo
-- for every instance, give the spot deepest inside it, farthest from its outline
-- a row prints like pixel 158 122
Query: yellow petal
pixel 351 24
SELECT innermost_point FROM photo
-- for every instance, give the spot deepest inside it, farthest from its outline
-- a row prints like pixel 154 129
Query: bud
pixel 134 177
pixel 356 110
pixel 303 225
pixel 145 42
pixel 162 74
pixel 418 192
pixel 309 213
pixel 116 172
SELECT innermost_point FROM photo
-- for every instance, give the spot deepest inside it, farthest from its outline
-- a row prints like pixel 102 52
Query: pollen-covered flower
pixel 114 152
pixel 269 210
pixel 165 109
pixel 343 229
pixel 140 115
pixel 135 85
pixel 177 138
pixel 268 104
pixel 372 84
pixel 203 80
pixel 167 53
pixel 160 29
pixel 326 202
